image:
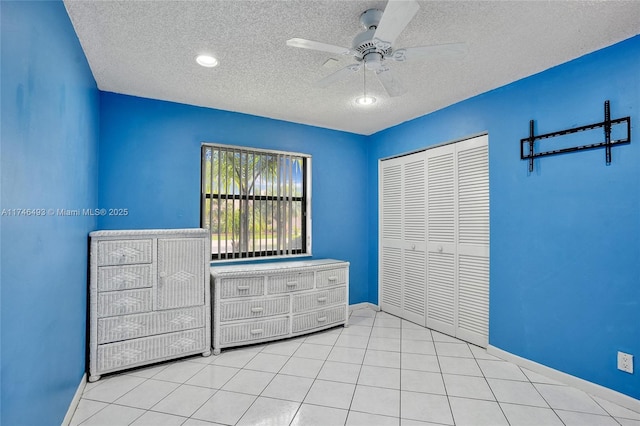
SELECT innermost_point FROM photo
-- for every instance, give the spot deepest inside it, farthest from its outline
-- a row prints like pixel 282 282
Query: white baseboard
pixel 363 305
pixel 589 387
pixel 75 401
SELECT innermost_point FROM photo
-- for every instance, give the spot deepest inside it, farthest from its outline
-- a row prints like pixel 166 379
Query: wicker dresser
pixel 149 297
pixel 269 301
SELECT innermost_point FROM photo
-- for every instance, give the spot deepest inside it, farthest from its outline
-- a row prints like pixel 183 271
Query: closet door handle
pixel 439 249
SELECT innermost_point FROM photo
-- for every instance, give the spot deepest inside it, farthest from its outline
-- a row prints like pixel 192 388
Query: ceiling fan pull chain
pixel 364 77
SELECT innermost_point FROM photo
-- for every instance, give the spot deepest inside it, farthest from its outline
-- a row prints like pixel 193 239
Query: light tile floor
pixel 381 370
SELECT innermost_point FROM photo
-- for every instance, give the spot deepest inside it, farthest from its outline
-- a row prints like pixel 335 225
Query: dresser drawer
pixel 124 252
pixel 129 353
pixel 112 278
pixel 331 277
pixel 284 283
pixel 124 302
pixel 317 299
pixel 255 330
pixel 258 308
pixel 125 327
pixel 241 287
pixel 318 319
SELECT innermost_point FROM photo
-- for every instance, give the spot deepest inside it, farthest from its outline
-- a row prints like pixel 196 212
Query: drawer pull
pixel 257 331
pixel 322 319
pixel 243 287
pixel 257 309
pixel 292 283
pixel 322 299
pixel 332 278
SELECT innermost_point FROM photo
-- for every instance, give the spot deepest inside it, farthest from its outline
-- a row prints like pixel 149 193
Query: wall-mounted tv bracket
pixel 607 144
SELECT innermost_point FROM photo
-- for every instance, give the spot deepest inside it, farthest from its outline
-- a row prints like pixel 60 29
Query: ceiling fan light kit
pixel 374 47
pixel 206 61
pixel 365 100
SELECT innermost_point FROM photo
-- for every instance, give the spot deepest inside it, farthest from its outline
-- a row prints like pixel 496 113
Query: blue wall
pixel 48 160
pixel 150 165
pixel 565 240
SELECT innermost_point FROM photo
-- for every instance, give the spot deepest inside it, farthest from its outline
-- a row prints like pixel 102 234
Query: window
pixel 255 202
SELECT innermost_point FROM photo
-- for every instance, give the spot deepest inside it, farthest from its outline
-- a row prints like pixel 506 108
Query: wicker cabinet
pixel 149 297
pixel 269 301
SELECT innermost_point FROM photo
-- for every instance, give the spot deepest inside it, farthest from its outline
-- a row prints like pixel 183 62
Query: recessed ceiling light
pixel 206 61
pixel 365 100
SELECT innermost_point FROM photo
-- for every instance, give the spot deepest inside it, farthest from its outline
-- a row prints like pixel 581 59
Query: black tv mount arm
pixel 607 144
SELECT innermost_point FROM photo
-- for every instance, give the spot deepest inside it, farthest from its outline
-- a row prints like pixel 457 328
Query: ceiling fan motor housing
pixel 363 42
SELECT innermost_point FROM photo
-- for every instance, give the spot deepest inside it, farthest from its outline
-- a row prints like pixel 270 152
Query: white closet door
pixel 441 239
pixel 390 279
pixel 434 239
pixel 473 240
pixel 414 265
pixel 403 230
pixel 458 240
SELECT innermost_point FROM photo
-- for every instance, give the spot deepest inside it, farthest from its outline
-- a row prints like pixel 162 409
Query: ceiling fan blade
pixel 389 82
pixel 450 50
pixel 395 18
pixel 316 45
pixel 338 75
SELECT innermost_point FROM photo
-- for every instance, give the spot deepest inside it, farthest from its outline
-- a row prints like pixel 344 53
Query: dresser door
pixel 180 273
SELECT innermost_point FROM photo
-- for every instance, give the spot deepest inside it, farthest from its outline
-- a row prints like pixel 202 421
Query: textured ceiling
pixel 147 49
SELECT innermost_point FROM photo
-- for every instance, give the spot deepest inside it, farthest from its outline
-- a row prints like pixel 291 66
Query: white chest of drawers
pixel 149 297
pixel 262 302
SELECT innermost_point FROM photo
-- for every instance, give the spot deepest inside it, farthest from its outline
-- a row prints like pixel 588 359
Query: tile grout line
pixel 114 401
pixel 355 386
pixel 267 385
pixel 83 421
pixel 541 396
pixel 608 414
pixel 291 375
pixel 489 385
pixel 603 409
pixel 216 390
pixel 444 383
pixel 314 379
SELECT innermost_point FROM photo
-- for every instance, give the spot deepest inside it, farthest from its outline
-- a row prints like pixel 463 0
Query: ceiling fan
pixel 374 47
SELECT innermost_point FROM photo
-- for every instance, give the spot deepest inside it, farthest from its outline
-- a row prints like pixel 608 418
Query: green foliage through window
pixel 254 202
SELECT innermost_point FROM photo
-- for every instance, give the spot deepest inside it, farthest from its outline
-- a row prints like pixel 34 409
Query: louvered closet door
pixel 390 217
pixel 441 239
pixel 434 239
pixel 473 240
pixel 414 265
pixel 458 240
pixel 403 231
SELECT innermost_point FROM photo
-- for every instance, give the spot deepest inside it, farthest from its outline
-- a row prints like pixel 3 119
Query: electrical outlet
pixel 625 362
